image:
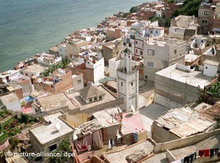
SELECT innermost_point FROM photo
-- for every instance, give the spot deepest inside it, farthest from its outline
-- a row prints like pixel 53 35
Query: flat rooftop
pixel 132 122
pixel 106 117
pixel 191 57
pixel 182 75
pixel 56 101
pixel 180 153
pixel 120 156
pixel 75 120
pixel 151 113
pixel 12 97
pixel 184 122
pixel 47 133
pixel 35 68
pixel 8 73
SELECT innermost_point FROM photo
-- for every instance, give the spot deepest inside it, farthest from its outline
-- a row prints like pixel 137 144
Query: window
pixel 175 51
pixel 52 147
pixel 79 81
pixel 206 13
pixel 150 64
pixel 150 52
pixel 100 97
pixel 129 44
pixel 124 44
pixel 132 84
pixel 90 100
pixel 136 51
pixel 136 42
pixel 121 83
pixel 204 21
pixel 141 52
pixel 95 98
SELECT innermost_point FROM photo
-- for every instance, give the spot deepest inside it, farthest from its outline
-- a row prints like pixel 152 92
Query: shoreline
pixel 13 60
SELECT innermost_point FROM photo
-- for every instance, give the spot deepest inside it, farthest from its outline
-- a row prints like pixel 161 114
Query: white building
pixel 45 59
pixel 91 64
pixel 210 68
pixel 178 85
pixel 113 66
pixel 159 54
pixel 9 75
pixel 140 32
pixel 62 50
pixel 128 83
pixel 33 70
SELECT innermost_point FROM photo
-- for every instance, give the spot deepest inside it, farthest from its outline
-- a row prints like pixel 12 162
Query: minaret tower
pixel 128 83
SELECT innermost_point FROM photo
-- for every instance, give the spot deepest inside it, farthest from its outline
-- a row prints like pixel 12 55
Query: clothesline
pixel 201 153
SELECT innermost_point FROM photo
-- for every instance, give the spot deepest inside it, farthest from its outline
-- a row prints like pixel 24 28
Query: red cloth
pixel 204 153
pixel 83 144
pixel 97 139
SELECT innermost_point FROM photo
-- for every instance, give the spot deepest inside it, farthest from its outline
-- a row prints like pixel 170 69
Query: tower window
pixel 141 52
pixel 121 83
pixel 132 84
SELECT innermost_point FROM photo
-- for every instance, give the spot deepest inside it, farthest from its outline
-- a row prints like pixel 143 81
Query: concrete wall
pixel 162 57
pixel 111 52
pixel 74 48
pixel 179 143
pixel 78 82
pixel 65 83
pixel 174 91
pixel 38 147
pixel 210 70
pixel 161 134
pixel 98 72
pixel 113 66
pixel 104 106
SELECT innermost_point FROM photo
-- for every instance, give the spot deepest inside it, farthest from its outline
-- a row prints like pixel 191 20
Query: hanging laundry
pixel 213 152
pixel 109 145
pixel 97 139
pixel 192 157
pixel 204 153
pixel 112 142
pixel 83 144
pixel 186 159
pixel 135 137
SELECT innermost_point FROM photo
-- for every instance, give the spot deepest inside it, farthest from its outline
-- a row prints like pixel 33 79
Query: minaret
pixel 128 83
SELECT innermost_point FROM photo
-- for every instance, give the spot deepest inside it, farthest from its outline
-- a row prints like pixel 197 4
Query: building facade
pixel 128 83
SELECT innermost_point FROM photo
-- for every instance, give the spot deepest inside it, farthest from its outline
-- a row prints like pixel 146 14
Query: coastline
pixel 28 48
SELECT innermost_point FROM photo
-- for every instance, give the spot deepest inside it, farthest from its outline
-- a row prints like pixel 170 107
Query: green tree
pixel 133 9
pixel 64 147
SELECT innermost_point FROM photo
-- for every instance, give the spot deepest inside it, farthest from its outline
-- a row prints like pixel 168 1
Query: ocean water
pixel 31 26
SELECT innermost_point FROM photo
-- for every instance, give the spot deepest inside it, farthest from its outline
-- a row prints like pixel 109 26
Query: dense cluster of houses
pixel 129 90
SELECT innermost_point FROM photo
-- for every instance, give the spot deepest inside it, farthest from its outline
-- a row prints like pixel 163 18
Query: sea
pixel 28 27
